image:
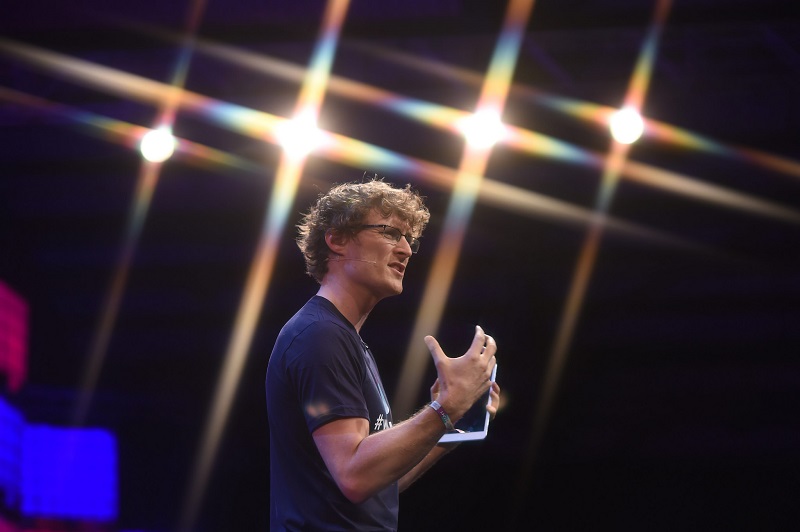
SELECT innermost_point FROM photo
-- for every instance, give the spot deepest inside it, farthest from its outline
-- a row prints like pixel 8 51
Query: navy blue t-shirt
pixel 320 371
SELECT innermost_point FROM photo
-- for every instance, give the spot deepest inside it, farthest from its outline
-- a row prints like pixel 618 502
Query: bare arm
pixel 431 458
pixel 443 448
pixel 363 463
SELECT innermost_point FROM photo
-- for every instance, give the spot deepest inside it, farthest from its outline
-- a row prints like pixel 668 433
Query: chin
pixel 395 290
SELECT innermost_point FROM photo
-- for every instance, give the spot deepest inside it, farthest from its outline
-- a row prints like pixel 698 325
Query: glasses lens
pixel 392 234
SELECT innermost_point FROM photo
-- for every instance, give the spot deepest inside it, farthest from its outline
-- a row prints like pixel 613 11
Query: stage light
pixel 69 473
pixel 483 129
pixel 300 136
pixel 157 145
pixel 626 125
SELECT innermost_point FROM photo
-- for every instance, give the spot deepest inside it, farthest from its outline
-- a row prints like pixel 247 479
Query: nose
pixel 404 246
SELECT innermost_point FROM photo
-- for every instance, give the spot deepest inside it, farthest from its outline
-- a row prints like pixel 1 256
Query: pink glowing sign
pixel 13 337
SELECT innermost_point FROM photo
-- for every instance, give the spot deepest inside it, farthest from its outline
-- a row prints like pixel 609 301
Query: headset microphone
pixel 337 259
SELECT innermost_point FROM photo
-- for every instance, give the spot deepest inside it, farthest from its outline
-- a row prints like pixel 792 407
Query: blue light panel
pixel 11 426
pixel 69 473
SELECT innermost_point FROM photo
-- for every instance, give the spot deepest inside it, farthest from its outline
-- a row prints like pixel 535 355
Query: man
pixel 337 461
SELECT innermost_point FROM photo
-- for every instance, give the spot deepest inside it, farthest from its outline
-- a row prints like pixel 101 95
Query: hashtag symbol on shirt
pixel 379 422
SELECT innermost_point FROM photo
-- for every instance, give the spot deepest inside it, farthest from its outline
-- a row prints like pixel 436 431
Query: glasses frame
pixel 413 242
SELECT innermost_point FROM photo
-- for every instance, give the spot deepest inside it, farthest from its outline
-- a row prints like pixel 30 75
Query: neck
pixel 354 308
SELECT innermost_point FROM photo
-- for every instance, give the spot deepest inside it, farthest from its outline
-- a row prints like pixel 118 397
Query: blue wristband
pixel 442 414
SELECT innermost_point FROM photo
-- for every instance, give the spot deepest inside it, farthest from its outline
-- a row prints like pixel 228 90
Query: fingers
pixel 483 344
pixel 478 341
pixel 494 394
pixel 490 348
pixel 494 400
pixel 435 389
pixel 489 351
pixel 483 347
pixel 436 351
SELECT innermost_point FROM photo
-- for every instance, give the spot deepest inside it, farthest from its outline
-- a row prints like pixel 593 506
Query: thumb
pixel 478 340
pixel 436 351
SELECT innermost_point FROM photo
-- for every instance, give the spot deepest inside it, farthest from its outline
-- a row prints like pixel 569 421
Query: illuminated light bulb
pixel 482 129
pixel 157 145
pixel 626 125
pixel 300 136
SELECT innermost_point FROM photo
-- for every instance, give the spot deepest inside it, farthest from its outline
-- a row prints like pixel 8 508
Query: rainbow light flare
pixel 468 185
pixel 360 154
pixel 127 134
pixel 235 117
pixel 545 146
pixel 287 179
pixel 425 112
pixel 110 129
pixel 428 113
pixel 521 201
pixel 354 152
pixel 254 123
pixel 588 255
pixel 147 182
pixel 462 201
pixel 533 143
pixel 262 125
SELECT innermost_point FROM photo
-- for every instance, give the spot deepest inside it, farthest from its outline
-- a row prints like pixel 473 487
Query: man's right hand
pixel 463 380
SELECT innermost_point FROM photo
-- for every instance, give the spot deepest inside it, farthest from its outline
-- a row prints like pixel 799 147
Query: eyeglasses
pixel 393 234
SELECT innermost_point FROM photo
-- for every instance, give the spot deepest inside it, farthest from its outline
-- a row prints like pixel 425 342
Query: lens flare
pixel 483 129
pixel 462 201
pixel 614 164
pixel 287 179
pixel 626 125
pixel 300 136
pixel 158 145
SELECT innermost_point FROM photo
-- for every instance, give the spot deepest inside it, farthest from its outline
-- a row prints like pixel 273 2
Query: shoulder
pixel 324 333
pixel 317 341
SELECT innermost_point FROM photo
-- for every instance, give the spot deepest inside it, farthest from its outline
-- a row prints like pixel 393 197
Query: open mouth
pixel 398 267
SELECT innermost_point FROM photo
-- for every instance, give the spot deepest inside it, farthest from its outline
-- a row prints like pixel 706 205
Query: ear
pixel 336 240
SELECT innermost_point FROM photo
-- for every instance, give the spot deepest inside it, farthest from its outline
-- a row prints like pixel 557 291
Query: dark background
pixel 677 406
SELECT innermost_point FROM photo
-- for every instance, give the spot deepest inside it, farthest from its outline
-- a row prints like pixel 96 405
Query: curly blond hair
pixel 344 208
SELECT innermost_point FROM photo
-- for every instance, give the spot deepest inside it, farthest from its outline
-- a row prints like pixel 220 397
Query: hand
pixel 461 381
pixel 435 390
pixel 494 393
pixel 495 403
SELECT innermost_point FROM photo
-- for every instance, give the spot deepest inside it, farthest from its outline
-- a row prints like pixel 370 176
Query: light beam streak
pixel 263 125
pixel 462 201
pixel 502 196
pixel 537 144
pixel 585 265
pixel 287 180
pixel 257 124
pixel 588 111
pixel 361 154
pixel 128 135
pixel 246 121
pixel 147 182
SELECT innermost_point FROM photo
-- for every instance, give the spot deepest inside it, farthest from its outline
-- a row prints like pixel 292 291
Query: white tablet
pixel 475 423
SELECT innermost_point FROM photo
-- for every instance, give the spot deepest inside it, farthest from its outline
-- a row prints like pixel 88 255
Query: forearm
pixel 390 455
pixel 362 464
pixel 421 468
pixel 375 461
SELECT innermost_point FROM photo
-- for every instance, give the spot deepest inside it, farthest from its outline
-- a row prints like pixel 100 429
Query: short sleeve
pixel 328 373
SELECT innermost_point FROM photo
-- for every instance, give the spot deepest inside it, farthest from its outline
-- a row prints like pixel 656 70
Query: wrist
pixel 442 413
